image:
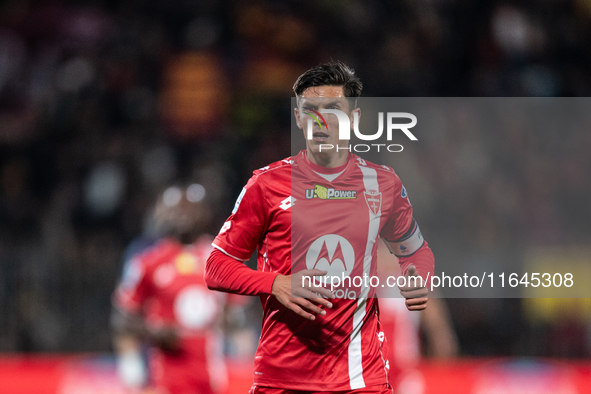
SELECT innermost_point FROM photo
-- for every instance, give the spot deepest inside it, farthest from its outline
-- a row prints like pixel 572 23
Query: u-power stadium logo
pixel 334 254
pixel 345 129
pixel 329 193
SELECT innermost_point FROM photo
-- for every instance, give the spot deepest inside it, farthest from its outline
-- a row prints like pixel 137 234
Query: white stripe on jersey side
pixel 370 181
pixel 355 360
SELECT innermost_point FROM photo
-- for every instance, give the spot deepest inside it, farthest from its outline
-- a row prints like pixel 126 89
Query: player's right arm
pixel 235 243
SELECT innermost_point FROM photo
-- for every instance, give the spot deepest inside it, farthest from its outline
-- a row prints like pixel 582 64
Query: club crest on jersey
pixel 374 201
pixel 328 193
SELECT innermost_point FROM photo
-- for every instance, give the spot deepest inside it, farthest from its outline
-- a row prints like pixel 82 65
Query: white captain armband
pixel 408 244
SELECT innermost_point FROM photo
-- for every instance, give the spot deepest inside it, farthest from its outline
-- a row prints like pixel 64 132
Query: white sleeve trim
pixel 227 254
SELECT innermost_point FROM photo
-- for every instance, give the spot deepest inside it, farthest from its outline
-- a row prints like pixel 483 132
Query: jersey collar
pixel 312 170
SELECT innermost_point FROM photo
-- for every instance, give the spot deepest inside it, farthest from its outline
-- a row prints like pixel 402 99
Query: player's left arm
pixel 404 239
pixel 129 328
pixel 418 270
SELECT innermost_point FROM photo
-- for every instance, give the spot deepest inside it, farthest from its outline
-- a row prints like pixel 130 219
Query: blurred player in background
pixel 403 330
pixel 162 299
pixel 310 343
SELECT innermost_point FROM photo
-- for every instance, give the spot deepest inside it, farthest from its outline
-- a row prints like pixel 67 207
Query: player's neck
pixel 328 159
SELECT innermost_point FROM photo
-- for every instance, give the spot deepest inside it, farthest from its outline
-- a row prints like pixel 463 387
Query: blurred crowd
pixel 105 103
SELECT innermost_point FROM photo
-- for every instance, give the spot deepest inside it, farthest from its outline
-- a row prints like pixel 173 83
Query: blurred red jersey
pixel 303 216
pixel 402 331
pixel 165 285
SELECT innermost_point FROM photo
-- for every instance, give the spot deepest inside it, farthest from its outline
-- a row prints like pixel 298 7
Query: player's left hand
pixel 415 291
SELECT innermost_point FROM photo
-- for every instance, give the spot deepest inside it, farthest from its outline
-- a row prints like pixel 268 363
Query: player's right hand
pixel 299 297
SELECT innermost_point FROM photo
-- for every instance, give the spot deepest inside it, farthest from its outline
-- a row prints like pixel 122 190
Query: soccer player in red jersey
pixel 163 298
pixel 320 212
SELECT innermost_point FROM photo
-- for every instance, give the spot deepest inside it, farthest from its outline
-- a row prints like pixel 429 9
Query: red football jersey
pixel 165 284
pixel 299 219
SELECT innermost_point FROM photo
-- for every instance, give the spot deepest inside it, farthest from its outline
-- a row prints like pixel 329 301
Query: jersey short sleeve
pixel 400 219
pixel 134 287
pixel 246 225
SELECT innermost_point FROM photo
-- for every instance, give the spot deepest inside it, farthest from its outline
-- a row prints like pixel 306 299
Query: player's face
pixel 311 102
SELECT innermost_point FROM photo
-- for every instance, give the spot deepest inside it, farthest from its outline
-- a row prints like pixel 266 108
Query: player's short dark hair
pixel 330 74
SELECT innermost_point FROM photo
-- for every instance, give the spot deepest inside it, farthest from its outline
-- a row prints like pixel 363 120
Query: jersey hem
pixel 314 386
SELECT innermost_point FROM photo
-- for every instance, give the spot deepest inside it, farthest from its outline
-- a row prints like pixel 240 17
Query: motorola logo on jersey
pixel 334 254
pixel 331 253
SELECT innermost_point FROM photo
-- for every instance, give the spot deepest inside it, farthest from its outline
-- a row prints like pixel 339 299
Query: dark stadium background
pixel 104 103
